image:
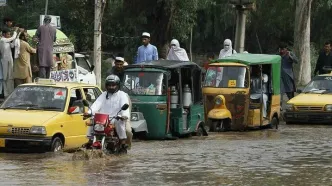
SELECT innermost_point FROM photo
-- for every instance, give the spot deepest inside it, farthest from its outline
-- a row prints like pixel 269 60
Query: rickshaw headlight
pixel 328 108
pixel 218 101
pixel 289 107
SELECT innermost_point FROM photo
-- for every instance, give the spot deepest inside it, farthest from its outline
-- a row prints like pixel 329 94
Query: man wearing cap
pixel 117 69
pixel 46 35
pixel 146 52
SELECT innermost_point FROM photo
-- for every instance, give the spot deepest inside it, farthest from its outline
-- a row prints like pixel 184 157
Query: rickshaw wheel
pixel 199 131
pixel 274 123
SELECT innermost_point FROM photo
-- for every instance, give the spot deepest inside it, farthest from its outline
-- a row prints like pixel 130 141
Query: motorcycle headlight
pixel 99 128
pixel 38 130
pixel 289 107
pixel 218 101
pixel 328 108
pixel 134 117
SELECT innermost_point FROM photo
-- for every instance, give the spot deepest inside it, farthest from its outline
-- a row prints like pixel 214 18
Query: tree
pixel 302 39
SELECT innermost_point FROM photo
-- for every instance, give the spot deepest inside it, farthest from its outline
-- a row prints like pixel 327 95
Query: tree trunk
pixel 302 39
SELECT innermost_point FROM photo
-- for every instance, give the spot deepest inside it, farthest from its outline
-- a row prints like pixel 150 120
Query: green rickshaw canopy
pixel 251 59
pixel 61 45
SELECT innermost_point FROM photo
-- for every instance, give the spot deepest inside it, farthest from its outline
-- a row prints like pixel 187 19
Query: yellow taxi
pixel 46 115
pixel 313 104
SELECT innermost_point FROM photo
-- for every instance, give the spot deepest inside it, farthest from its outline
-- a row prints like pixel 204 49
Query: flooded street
pixel 294 155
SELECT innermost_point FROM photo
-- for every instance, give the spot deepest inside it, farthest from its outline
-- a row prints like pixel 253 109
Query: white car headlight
pixel 99 128
pixel 38 130
pixel 328 108
pixel 289 107
pixel 218 101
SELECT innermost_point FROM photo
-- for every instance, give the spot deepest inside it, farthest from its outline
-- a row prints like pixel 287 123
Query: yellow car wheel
pixel 57 144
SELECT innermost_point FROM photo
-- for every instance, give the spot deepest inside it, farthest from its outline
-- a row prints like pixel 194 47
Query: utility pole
pixel 240 33
pixel 242 7
pixel 46 7
pixel 97 41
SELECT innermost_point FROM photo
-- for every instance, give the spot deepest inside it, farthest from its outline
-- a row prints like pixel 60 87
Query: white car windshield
pixel 320 84
pixel 37 98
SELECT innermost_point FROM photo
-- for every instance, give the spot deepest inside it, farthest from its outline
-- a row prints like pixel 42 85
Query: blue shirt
pixel 146 53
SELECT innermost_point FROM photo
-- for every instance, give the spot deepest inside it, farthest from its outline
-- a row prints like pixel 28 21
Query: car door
pixel 75 125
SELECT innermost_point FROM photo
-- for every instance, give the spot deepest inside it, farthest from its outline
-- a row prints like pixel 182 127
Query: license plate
pixel 2 142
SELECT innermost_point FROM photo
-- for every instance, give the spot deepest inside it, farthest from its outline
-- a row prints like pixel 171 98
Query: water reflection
pixel 294 155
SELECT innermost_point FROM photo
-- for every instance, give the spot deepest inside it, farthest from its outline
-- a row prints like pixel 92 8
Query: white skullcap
pixel 145 34
pixel 119 59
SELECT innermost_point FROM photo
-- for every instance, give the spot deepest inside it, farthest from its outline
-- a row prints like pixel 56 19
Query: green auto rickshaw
pixel 166 99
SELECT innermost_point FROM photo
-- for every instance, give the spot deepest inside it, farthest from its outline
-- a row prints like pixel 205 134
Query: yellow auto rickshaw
pixel 242 91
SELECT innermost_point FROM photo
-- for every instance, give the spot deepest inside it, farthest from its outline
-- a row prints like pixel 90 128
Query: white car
pixel 85 69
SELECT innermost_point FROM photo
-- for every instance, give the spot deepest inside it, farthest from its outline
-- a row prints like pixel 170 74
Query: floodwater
pixel 293 155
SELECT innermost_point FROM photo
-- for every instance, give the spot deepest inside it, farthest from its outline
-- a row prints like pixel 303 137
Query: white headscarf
pixel 227 50
pixel 177 53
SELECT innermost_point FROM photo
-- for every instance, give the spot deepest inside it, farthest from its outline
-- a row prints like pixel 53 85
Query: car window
pixel 82 62
pixel 75 95
pixel 90 94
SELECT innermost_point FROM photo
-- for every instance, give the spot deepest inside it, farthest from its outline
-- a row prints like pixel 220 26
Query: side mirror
pixel 74 110
pixel 125 107
pixel 92 68
pixel 298 91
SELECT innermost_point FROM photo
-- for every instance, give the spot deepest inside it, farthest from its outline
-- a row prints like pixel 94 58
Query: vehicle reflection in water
pixel 294 155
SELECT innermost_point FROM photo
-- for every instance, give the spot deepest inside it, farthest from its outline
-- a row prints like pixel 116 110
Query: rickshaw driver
pixel 110 102
pixel 256 87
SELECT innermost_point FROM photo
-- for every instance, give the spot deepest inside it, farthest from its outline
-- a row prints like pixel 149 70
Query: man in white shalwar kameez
pixel 227 50
pixel 110 102
pixel 6 72
pixel 177 53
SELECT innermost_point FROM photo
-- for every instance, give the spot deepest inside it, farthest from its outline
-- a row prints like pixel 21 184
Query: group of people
pixel 15 52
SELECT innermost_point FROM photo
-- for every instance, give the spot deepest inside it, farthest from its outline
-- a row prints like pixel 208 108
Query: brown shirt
pixel 22 66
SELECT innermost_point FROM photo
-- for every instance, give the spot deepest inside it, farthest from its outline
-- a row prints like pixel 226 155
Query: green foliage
pixel 212 22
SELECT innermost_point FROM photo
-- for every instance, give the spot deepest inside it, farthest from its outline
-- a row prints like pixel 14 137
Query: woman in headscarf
pixel 177 53
pixel 227 50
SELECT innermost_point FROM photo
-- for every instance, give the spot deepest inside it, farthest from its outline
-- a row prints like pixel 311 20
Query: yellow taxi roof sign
pixel 43 81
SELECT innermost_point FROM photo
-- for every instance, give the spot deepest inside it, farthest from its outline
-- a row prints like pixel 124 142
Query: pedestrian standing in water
pixel 287 82
pixel 46 35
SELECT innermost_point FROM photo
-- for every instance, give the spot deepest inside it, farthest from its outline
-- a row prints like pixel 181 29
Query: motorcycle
pixel 105 137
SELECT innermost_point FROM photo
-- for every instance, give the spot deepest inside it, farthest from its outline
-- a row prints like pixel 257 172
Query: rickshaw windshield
pixel 226 77
pixel 144 83
pixel 320 84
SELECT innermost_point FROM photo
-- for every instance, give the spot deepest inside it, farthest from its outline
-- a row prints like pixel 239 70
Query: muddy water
pixel 294 155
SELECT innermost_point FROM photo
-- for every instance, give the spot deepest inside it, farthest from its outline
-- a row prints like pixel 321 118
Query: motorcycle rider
pixel 110 102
